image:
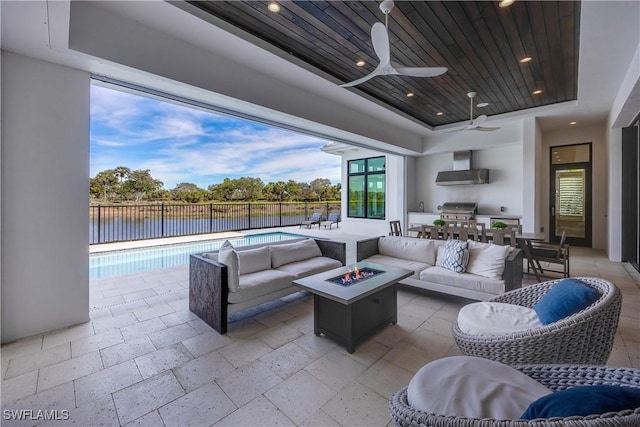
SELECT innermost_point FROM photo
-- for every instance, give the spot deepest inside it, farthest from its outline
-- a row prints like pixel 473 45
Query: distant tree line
pixel 123 184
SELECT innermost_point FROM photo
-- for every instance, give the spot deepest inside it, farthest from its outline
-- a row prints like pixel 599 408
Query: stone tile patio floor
pixel 145 360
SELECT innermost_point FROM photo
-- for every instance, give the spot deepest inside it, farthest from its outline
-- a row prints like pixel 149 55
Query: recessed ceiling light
pixel 525 59
pixel 273 7
pixel 439 113
pixel 360 63
pixel 505 3
pixel 410 94
pixel 573 123
pixel 537 92
pixel 482 104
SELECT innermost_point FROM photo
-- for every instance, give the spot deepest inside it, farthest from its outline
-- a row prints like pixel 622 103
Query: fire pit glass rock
pixel 355 276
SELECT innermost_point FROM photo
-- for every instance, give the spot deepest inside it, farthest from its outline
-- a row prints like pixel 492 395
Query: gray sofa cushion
pixel 414 266
pixel 254 285
pixel 252 260
pixel 462 280
pixel 310 266
pixel 292 252
pixel 421 250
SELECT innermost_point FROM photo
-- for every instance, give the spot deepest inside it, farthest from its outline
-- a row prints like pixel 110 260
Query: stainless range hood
pixel 462 174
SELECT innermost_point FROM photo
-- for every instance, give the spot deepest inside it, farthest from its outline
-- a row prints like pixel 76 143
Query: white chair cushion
pixel 228 256
pixel 292 252
pixel 472 387
pixel 252 260
pixel 487 260
pixel 496 318
pixel 421 250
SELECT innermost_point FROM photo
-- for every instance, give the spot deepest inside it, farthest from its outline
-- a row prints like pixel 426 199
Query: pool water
pixel 129 261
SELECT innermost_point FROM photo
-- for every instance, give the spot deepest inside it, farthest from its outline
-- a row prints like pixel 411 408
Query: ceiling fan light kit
pixel 380 41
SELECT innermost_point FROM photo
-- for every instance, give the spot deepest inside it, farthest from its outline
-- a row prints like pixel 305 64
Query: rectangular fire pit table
pixel 350 314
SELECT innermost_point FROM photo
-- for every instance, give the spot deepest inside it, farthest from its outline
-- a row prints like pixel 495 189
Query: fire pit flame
pixel 354 276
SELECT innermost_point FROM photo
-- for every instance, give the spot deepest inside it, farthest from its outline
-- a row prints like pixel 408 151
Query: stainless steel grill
pixel 458 210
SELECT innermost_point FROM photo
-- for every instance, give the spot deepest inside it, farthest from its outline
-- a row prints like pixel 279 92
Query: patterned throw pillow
pixel 455 255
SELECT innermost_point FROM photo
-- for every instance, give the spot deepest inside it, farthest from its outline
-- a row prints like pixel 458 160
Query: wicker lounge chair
pixel 555 377
pixel 585 337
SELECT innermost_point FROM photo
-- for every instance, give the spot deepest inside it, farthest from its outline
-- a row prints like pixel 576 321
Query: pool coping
pixel 147 243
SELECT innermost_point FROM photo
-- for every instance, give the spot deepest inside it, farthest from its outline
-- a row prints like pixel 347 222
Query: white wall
pixel 597 136
pixel 531 191
pixel 504 188
pixel 396 196
pixel 45 194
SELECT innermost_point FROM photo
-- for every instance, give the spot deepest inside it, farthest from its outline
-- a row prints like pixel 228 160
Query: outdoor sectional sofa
pixel 499 268
pixel 265 272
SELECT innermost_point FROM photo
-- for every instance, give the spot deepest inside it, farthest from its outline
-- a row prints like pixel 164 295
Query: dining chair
pixel 396 228
pixel 551 253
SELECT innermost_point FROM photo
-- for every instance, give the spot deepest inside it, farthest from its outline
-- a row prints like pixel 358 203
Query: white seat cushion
pixel 254 285
pixel 310 266
pixel 410 248
pixel 472 387
pixel 496 318
pixel 414 266
pixel 462 280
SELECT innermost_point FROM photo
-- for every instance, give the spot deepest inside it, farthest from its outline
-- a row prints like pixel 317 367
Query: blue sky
pixel 180 144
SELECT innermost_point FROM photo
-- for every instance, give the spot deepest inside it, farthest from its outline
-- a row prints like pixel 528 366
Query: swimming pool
pixel 129 261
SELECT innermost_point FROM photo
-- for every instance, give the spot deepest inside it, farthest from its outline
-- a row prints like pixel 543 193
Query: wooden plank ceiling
pixel 480 43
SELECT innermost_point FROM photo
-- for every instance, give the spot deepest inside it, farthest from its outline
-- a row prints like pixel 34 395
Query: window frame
pixel 366 173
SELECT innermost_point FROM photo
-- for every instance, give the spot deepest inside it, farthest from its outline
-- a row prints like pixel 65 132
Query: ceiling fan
pixel 380 41
pixel 477 123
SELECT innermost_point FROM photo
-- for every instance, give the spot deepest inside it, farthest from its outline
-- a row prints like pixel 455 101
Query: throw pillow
pixel 496 318
pixel 465 386
pixel 455 255
pixel 487 260
pixel 252 260
pixel 228 256
pixel 565 298
pixel 584 401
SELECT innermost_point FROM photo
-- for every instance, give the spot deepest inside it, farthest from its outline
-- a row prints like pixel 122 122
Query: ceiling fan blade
pixel 478 121
pixel 420 71
pixel 486 129
pixel 380 41
pixel 371 75
pixel 458 130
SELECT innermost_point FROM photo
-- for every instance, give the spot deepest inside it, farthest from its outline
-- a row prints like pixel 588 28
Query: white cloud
pixel 180 144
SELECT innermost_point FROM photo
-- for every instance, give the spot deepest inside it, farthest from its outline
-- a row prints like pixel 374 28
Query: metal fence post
pixel 99 223
pixel 162 221
pixel 280 212
pixel 210 217
pixel 249 210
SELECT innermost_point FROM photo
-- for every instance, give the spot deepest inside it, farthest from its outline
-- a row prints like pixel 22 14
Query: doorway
pixel 570 194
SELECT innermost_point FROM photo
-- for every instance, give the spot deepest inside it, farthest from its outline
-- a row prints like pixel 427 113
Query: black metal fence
pixel 117 223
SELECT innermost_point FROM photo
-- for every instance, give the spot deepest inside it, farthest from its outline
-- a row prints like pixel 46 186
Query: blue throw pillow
pixel 565 298
pixel 584 401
